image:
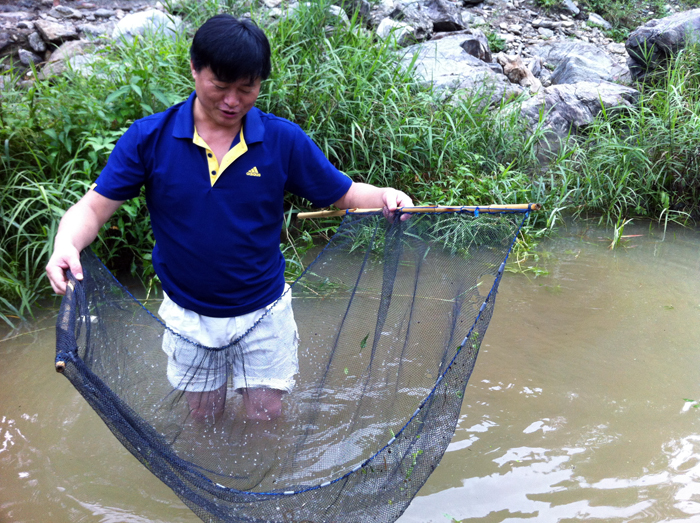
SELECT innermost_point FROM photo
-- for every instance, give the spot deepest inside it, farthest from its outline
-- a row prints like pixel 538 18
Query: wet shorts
pixel 265 357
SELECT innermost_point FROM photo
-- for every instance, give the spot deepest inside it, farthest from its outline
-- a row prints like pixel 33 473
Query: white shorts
pixel 265 357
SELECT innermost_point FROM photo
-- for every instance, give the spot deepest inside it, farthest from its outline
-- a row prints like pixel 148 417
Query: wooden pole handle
pixel 426 209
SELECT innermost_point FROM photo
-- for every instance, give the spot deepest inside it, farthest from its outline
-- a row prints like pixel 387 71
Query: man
pixel 215 169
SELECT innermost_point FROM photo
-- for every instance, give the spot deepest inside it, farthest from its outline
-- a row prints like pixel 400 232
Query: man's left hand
pixel 394 199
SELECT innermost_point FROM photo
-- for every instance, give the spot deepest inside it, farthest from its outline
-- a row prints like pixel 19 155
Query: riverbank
pixel 369 114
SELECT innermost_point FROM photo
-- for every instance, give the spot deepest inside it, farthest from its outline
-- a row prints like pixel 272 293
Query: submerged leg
pixel 207 407
pixel 263 403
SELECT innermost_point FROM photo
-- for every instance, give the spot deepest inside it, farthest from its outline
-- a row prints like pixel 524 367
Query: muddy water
pixel 577 409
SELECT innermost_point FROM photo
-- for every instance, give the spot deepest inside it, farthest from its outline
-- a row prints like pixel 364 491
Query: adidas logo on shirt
pixel 253 172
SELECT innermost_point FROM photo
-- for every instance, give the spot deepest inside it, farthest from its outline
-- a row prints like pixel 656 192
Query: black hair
pixel 232 48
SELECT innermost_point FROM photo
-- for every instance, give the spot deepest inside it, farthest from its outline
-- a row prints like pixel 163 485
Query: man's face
pixel 224 104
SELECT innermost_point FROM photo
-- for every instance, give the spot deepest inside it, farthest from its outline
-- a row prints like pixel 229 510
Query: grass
pixel 624 15
pixel 370 117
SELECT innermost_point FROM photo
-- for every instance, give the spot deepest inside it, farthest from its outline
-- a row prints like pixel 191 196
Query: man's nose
pixel 231 99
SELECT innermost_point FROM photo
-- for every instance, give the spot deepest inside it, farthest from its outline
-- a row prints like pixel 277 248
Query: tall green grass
pixel 361 103
pixel 645 160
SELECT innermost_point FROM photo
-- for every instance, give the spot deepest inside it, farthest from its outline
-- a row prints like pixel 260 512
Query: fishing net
pixel 390 317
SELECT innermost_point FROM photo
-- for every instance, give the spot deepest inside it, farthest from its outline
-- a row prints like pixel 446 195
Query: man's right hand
pixel 77 230
pixel 63 258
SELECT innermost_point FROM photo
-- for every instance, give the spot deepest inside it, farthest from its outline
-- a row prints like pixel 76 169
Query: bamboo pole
pixel 426 209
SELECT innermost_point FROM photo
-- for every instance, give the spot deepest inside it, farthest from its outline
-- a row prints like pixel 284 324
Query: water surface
pixel 577 409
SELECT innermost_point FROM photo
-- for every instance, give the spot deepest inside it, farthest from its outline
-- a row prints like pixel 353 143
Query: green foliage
pixel 56 137
pixel 496 43
pixel 627 15
pixel 359 101
pixel 644 160
pixel 549 4
pixel 617 33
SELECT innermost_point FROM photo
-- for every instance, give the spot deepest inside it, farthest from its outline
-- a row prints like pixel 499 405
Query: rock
pixel 71 49
pixel 70 54
pixel 445 16
pixel 562 110
pixel 580 69
pixel 94 30
pixel 651 45
pixel 574 61
pixel 570 7
pixel 415 16
pixel 4 40
pixel 616 48
pixel 62 11
pixel 596 19
pixel 401 32
pixel 444 64
pixel 27 57
pixel 14 17
pixel 146 21
pixel 339 14
pixel 477 45
pixel 103 13
pixel 54 32
pixel 574 106
pixel 361 7
pixel 539 22
pixel 81 64
pixel 36 43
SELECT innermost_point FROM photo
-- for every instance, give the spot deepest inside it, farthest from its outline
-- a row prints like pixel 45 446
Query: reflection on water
pixel 576 409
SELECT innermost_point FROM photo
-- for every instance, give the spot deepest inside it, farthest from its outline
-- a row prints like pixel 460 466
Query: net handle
pixel 426 209
pixel 65 318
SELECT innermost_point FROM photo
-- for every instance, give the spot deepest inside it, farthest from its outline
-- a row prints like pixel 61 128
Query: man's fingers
pixel 394 200
pixel 57 278
pixel 57 267
pixel 76 269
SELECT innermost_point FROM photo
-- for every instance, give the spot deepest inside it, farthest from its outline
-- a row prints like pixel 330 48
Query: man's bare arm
pixel 78 228
pixel 365 196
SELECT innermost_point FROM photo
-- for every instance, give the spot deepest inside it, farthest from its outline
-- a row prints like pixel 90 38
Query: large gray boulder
pixel 579 62
pixel 476 44
pixel 424 17
pixel 651 45
pixel 54 32
pixel 416 16
pixel 562 110
pixel 445 16
pixel 445 65
pixel 150 21
pixel 402 33
pixel 75 55
pixel 567 108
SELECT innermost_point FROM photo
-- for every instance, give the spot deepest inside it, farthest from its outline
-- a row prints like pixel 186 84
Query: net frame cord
pixel 475 210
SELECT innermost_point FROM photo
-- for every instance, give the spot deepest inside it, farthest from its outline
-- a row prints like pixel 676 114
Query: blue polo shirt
pixel 218 233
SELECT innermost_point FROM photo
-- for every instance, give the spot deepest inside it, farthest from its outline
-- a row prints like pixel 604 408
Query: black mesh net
pixel 390 316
